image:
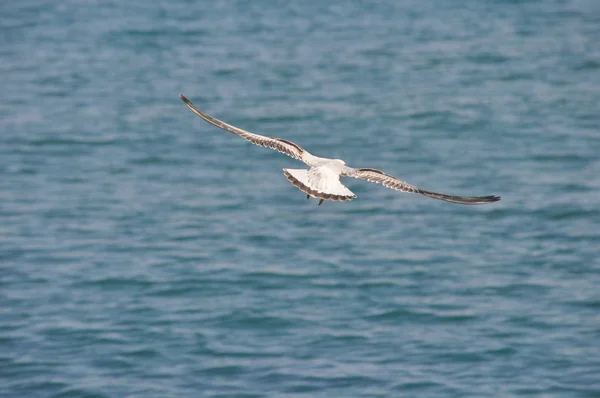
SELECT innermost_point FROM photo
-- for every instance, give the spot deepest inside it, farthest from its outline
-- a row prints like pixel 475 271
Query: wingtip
pixel 489 199
pixel 186 101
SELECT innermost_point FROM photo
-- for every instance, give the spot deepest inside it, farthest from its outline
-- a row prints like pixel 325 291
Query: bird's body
pixel 323 180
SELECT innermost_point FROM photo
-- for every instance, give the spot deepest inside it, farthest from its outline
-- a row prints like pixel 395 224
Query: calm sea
pixel 145 253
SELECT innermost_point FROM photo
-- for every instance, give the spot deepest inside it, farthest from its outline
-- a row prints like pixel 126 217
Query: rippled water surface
pixel 145 253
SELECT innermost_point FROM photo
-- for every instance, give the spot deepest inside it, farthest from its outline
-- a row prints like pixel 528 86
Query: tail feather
pixel 301 179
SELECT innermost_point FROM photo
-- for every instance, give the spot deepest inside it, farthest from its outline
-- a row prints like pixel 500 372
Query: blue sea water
pixel 145 253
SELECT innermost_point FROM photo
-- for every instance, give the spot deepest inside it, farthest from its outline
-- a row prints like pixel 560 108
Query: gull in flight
pixel 323 179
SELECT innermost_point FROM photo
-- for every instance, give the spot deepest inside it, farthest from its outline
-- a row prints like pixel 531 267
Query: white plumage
pixel 321 182
pixel 323 179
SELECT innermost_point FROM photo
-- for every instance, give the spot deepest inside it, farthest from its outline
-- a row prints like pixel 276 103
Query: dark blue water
pixel 144 253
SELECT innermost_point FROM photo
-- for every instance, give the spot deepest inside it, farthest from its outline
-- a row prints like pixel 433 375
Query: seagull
pixel 323 179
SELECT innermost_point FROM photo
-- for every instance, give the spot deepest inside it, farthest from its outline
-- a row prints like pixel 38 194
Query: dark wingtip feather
pixel 465 200
pixel 487 199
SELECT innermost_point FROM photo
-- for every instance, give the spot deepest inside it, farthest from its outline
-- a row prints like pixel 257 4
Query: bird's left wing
pixel 279 144
pixel 379 177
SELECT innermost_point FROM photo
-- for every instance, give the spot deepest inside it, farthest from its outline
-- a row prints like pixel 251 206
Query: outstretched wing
pixel 392 182
pixel 284 146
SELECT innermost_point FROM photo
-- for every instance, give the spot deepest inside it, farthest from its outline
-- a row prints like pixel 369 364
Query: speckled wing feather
pixel 284 146
pixel 379 177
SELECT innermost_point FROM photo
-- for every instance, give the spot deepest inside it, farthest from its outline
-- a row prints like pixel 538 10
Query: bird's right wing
pixel 379 177
pixel 279 144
